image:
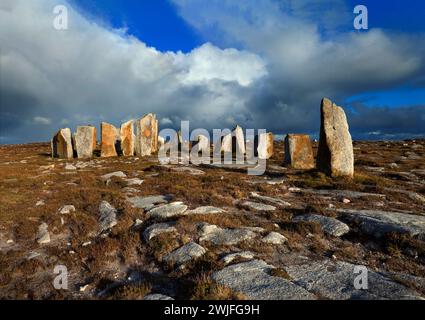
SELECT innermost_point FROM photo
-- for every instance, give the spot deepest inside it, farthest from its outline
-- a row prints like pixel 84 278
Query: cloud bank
pixel 267 66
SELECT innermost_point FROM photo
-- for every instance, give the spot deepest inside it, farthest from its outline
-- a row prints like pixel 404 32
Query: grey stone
pixel 411 194
pixel 274 238
pixel 67 209
pixel 118 174
pixel 343 194
pixel 274 201
pixel 168 210
pixel 335 280
pixel 85 141
pixel 107 216
pixel 335 156
pixel 189 170
pixel 205 210
pixel 258 206
pixel 70 167
pixel 147 203
pixel 43 235
pixel 219 236
pixel 237 255
pixel 378 223
pixel 157 229
pixel 253 280
pixel 189 252
pixel 158 297
pixel 134 182
pixel 329 225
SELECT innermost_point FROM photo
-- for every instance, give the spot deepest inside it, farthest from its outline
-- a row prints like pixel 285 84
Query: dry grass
pixel 206 289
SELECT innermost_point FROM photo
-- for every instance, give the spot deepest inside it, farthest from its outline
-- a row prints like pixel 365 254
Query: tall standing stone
pixel 127 138
pixel 265 147
pixel 202 144
pixel 234 142
pixel 62 144
pixel 299 152
pixel 147 135
pixel 85 141
pixel 335 156
pixel 110 140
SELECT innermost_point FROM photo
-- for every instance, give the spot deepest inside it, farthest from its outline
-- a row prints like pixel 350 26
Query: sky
pixel 257 63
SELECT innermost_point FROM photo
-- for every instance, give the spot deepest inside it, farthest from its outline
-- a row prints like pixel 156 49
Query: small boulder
pixel 187 253
pixel 274 238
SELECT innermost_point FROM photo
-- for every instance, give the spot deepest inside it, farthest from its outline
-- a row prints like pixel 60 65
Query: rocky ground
pixel 129 228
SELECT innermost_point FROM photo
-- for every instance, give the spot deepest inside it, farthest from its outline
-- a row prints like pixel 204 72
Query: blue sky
pixel 217 63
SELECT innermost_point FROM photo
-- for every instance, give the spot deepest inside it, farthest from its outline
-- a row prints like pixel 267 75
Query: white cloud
pixel 42 120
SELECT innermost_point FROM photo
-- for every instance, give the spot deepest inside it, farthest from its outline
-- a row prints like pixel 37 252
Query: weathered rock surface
pixel 205 210
pixel 146 136
pixel 265 147
pixel 127 138
pixel 335 280
pixel 274 238
pixel 299 152
pixel 118 174
pixel 43 235
pixel 247 255
pixel 274 201
pixel 378 223
pixel 85 141
pixel 110 140
pixel 107 216
pixel 147 203
pixel 329 225
pixel 253 280
pixel 67 209
pixel 189 170
pixel 219 236
pixel 258 206
pixel 168 210
pixel 62 144
pixel 335 156
pixel 157 229
pixel 187 253
pixel 343 194
pixel 157 297
pixel 134 182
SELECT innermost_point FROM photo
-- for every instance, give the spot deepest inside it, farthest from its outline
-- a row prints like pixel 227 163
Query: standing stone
pixel 299 152
pixel 234 142
pixel 265 146
pixel 161 142
pixel 335 156
pixel 202 145
pixel 85 141
pixel 62 144
pixel 147 135
pixel 127 139
pixel 110 140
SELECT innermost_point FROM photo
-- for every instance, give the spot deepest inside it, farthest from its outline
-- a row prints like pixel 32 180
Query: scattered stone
pixel 377 223
pixel 265 147
pixel 187 253
pixel 247 255
pixel 118 174
pixel 274 238
pixel 205 210
pixel 329 225
pixel 130 190
pixel 334 280
pixel 299 152
pixel 134 182
pixel 108 216
pixel 258 206
pixel 157 297
pixel 127 138
pixel 40 203
pixel 335 156
pixel 157 229
pixel 33 254
pixel 219 236
pixel 393 165
pixel 70 167
pixel 85 141
pixel 191 171
pixel 110 140
pixel 43 236
pixel 253 280
pixel 341 194
pixel 62 144
pixel 146 136
pixel 147 203
pixel 346 201
pixel 275 201
pixel 67 209
pixel 168 210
